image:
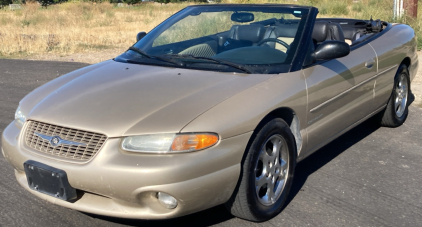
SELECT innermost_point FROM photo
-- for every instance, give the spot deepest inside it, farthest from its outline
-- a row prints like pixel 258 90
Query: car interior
pixel 244 42
pixel 279 34
pixel 350 31
pixel 274 35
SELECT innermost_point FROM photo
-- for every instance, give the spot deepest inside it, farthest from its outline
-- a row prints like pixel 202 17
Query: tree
pixel 5 3
pixel 45 3
pixel 18 2
pixel 131 2
pixel 162 1
pixel 60 1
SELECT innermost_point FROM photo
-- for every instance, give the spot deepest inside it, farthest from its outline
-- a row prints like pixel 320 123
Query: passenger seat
pixel 252 33
pixel 324 31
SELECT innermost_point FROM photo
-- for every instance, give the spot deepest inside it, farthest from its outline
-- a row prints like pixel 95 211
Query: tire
pixel 395 115
pixel 249 203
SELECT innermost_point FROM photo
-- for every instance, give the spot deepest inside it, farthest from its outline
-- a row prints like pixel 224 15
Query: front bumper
pixel 122 184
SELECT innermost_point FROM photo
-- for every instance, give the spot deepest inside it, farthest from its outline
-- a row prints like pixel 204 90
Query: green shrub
pixel 323 10
pixel 163 1
pixel 339 8
pixel 87 15
pixel 334 8
pixel 131 2
pixel 373 2
pixel 109 14
pixel 357 7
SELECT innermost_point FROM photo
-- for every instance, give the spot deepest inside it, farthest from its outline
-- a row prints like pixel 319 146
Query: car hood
pixel 120 99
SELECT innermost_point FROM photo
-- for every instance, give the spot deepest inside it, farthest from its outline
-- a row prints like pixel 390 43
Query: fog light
pixel 167 200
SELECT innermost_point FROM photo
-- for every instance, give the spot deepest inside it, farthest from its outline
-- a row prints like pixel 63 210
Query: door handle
pixel 369 63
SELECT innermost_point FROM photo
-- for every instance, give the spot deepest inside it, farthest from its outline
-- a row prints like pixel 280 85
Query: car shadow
pixel 303 170
pixel 411 98
pixel 207 217
pixel 329 152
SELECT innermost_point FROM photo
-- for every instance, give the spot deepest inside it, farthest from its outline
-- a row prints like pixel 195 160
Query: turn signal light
pixel 192 142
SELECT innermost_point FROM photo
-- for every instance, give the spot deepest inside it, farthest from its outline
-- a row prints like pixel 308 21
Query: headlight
pixel 20 118
pixel 169 143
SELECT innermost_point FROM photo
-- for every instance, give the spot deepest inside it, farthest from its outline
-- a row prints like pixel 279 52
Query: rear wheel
pixel 267 173
pixel 396 111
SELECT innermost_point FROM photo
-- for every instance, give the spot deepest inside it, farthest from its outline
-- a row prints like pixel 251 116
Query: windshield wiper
pixel 141 52
pixel 222 62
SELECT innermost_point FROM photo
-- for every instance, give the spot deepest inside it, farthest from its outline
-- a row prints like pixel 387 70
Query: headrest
pixel 335 32
pixel 251 32
pixel 327 31
pixel 320 31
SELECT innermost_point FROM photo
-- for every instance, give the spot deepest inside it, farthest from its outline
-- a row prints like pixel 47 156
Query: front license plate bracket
pixel 49 180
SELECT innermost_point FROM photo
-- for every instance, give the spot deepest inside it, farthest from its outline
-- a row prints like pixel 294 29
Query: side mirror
pixel 140 35
pixel 331 49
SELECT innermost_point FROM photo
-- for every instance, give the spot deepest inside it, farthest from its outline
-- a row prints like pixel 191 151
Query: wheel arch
pixel 406 61
pixel 290 117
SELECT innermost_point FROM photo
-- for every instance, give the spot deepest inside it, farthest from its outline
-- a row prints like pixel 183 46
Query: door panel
pixel 389 59
pixel 340 92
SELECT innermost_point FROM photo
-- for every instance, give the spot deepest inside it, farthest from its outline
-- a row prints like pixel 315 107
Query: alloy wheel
pixel 401 95
pixel 271 170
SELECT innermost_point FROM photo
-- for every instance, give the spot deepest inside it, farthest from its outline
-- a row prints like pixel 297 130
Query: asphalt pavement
pixel 370 176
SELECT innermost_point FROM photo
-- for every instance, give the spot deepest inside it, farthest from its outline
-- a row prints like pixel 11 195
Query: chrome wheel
pixel 271 170
pixel 401 90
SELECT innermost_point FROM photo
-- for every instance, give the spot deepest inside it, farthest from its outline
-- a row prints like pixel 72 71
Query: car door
pixel 340 92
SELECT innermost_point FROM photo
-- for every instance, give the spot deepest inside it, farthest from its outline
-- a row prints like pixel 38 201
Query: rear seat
pixel 351 34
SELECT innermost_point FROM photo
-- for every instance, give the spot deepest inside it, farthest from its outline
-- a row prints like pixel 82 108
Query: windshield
pixel 248 38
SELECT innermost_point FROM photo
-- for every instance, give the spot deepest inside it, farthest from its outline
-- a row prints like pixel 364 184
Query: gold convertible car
pixel 215 105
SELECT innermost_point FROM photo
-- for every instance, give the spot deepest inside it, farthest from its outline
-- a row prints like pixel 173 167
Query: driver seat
pixel 283 32
pixel 251 34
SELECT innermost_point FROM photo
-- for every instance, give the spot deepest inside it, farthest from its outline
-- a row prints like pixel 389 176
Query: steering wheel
pixel 274 40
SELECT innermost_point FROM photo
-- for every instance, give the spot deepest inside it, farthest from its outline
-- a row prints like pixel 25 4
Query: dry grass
pixel 75 28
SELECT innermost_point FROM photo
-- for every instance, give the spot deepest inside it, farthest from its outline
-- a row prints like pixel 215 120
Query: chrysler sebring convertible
pixel 215 105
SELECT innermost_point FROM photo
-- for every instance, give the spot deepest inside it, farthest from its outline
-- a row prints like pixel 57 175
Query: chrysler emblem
pixel 56 140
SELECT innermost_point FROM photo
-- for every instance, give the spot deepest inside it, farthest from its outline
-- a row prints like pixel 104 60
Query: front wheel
pixel 267 173
pixel 396 112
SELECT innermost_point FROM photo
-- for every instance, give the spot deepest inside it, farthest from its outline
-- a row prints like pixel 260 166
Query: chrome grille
pixel 81 153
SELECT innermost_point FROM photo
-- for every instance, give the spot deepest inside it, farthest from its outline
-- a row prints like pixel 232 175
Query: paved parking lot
pixel 370 176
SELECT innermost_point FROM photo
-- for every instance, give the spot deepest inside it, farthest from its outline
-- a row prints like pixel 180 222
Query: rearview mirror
pixel 242 17
pixel 140 35
pixel 331 49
